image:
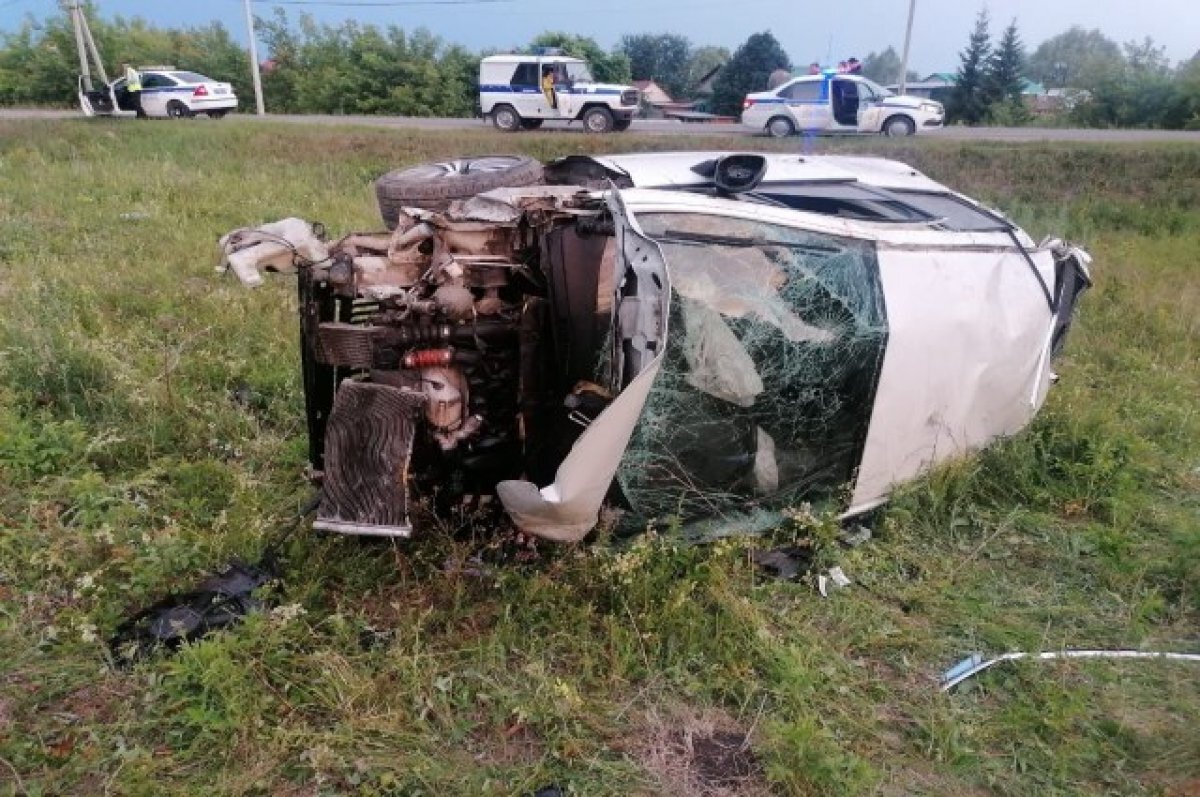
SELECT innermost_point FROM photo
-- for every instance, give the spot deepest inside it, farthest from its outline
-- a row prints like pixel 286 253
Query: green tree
pixel 606 67
pixel 884 67
pixel 703 61
pixel 1144 93
pixel 748 71
pixel 661 57
pixel 970 99
pixel 39 63
pixel 1005 80
pixel 1145 58
pixel 1076 58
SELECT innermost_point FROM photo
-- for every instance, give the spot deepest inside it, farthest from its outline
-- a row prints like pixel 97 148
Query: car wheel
pixel 506 118
pixel 899 126
pixel 598 120
pixel 621 125
pixel 435 185
pixel 780 127
pixel 531 124
pixel 177 110
pixel 216 114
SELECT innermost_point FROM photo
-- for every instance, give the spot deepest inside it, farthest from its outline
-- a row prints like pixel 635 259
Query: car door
pixel 870 109
pixel 157 91
pixel 527 94
pixel 808 104
pixel 844 103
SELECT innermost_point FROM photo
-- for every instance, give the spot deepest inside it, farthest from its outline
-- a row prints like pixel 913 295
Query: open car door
pixel 98 102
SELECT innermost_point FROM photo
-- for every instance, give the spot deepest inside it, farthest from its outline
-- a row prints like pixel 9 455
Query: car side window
pixel 153 81
pixel 526 75
pixel 804 91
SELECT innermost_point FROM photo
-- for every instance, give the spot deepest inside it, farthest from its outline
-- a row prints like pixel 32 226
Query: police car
pixel 838 103
pixel 511 93
pixel 166 92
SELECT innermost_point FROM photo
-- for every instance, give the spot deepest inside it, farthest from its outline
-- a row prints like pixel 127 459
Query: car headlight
pixel 931 107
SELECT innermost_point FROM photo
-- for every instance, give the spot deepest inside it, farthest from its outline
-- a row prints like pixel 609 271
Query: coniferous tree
pixel 969 102
pixel 1005 70
pixel 1004 83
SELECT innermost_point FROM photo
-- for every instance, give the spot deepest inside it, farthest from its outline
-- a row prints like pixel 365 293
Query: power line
pixel 380 3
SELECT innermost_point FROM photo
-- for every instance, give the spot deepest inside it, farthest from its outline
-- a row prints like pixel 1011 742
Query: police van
pixel 520 92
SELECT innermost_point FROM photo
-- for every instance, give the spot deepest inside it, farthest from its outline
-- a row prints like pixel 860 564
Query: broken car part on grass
pixel 976 663
pixel 706 337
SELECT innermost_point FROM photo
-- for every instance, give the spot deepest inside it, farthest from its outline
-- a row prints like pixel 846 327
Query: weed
pixel 151 426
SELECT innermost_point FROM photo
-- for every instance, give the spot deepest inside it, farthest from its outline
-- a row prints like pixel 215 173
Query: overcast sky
pixel 826 31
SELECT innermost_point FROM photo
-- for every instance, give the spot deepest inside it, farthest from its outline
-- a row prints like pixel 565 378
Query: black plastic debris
pixel 787 563
pixel 218 602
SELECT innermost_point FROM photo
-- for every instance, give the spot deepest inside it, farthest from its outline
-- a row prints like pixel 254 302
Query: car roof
pixel 665 169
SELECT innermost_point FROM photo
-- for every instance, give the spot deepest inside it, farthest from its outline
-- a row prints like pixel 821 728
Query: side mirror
pixel 737 173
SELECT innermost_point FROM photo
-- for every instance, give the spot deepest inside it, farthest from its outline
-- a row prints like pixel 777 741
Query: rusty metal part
pixel 457 302
pixel 345 345
pixel 446 394
pixel 367 448
pixel 449 440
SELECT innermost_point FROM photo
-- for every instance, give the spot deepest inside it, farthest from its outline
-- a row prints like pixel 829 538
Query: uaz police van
pixel 512 93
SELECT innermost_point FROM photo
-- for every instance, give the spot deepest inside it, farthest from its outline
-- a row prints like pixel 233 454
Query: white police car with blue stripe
pixel 831 102
pixel 166 92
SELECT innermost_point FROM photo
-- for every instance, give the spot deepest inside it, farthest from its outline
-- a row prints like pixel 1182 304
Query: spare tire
pixel 435 185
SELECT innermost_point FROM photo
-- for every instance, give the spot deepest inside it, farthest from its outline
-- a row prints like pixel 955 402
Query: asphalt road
pixel 668 128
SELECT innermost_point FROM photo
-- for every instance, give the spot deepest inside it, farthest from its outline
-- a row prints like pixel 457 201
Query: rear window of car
pixel 954 213
pixel 192 77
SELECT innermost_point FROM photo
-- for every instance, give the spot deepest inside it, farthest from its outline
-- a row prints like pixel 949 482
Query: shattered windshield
pixel 776 340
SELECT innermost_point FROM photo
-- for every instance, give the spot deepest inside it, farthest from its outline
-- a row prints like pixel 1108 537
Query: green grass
pixel 126 470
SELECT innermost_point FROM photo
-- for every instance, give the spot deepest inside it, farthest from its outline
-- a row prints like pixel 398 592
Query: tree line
pixel 350 68
pixel 1101 83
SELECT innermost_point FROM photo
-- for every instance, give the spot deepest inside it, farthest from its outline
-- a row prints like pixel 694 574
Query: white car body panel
pixel 950 387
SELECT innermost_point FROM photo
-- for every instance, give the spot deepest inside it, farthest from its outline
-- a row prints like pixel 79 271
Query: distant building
pixel 652 92
pixel 938 86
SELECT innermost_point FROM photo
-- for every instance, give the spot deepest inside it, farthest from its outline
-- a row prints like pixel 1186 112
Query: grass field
pixel 126 470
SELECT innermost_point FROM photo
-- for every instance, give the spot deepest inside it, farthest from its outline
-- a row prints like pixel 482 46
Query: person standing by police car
pixel 133 85
pixel 548 86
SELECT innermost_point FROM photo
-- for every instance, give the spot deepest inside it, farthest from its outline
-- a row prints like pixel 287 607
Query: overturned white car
pixel 708 337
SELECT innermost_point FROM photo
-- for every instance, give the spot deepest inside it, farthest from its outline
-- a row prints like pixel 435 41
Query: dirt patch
pixel 701 754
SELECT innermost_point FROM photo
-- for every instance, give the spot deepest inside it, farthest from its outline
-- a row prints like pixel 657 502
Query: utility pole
pixel 912 9
pixel 77 23
pixel 258 98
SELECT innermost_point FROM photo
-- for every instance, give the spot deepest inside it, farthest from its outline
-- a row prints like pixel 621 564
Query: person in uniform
pixel 548 86
pixel 133 85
